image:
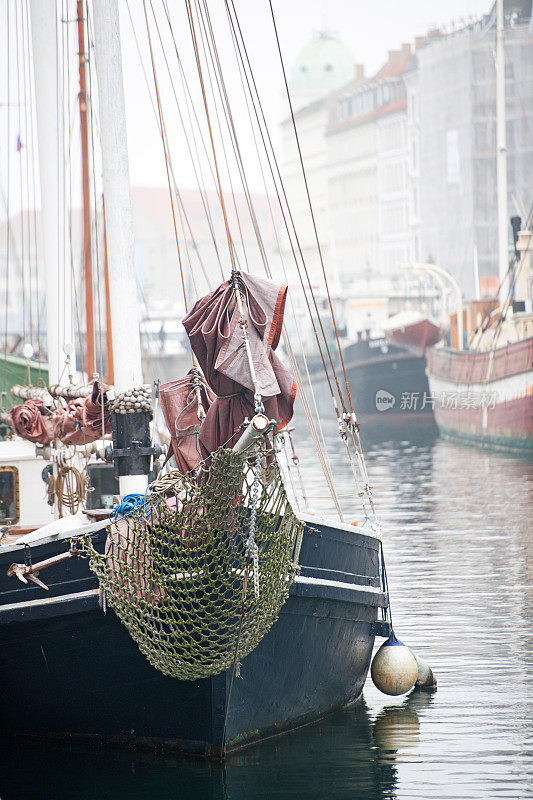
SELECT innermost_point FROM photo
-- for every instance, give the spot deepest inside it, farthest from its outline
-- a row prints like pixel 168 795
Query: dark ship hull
pixel 73 671
pixel 387 382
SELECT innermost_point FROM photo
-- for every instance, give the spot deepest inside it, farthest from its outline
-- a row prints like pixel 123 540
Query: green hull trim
pixel 509 444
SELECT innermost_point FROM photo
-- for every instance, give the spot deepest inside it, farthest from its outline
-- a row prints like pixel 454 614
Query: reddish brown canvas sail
pixel 68 422
pixel 179 404
pixel 216 336
pixel 31 420
pixel 93 416
pixel 81 421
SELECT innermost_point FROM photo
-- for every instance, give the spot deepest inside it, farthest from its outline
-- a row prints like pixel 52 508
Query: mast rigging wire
pixel 284 204
pixel 200 75
pixel 320 446
pixel 8 196
pixel 191 108
pixel 165 150
pixel 201 185
pixel 311 211
pixel 20 147
pixel 34 194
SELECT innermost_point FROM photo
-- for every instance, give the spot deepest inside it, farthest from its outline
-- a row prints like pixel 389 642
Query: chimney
pixel 394 57
pixel 359 73
pixel 406 50
pixel 420 41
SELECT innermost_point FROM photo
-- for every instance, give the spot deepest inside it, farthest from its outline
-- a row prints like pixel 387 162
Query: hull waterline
pixel 74 672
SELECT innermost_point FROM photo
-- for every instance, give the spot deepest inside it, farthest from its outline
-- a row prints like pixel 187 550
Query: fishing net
pixel 178 571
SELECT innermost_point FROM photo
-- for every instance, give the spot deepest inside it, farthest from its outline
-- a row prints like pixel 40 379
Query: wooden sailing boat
pixel 147 672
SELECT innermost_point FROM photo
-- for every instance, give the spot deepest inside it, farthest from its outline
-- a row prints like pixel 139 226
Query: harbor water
pixel 458 542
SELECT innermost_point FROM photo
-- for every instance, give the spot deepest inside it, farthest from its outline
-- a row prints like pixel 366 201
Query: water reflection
pixel 338 757
pixel 397 727
pixel 345 755
pixel 459 547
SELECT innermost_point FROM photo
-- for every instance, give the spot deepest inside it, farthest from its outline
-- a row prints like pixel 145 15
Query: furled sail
pixel 84 420
pixel 81 421
pixel 31 420
pixel 216 336
pixel 179 404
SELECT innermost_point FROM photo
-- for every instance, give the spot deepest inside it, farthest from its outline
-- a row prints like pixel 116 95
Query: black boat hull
pixel 72 670
pixel 386 381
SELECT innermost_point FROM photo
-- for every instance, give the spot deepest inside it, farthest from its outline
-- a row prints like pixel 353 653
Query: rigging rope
pixel 191 108
pixel 284 204
pixel 319 249
pixel 206 107
pixel 34 197
pixel 8 197
pixel 181 205
pixel 201 412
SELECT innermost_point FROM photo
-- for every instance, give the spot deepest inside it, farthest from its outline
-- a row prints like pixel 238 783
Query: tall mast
pixel 109 335
pixel 87 245
pixel 501 143
pixel 118 209
pixel 45 67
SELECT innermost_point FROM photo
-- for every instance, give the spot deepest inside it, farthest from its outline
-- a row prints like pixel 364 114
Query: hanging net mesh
pixel 178 573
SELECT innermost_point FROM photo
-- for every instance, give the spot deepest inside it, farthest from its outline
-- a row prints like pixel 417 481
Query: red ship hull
pixel 417 336
pixel 484 398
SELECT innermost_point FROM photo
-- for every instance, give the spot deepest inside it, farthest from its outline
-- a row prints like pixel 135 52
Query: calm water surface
pixel 459 547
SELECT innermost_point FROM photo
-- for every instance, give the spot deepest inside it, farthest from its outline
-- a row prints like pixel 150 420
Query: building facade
pixel 402 165
pixel 456 107
pixel 324 65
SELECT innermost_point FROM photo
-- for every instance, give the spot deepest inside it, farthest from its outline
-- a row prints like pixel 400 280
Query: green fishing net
pixel 179 575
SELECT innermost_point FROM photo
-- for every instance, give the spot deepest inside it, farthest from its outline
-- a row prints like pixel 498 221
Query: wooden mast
pixel 87 245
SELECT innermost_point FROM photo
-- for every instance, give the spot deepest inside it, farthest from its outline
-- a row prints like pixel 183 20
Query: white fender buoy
pixel 425 679
pixel 394 668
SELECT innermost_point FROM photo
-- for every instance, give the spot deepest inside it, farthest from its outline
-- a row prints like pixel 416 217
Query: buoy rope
pixel 386 612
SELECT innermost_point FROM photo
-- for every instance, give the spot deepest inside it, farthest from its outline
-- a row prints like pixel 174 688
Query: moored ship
pixel 484 395
pixel 207 613
pixel 389 380
pixel 482 387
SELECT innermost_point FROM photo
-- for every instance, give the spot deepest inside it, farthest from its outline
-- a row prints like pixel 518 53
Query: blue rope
pixel 129 503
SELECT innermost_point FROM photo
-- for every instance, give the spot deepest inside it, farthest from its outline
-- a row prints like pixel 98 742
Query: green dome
pixel 325 63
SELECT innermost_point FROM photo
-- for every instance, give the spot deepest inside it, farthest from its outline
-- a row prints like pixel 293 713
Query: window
pixel 9 495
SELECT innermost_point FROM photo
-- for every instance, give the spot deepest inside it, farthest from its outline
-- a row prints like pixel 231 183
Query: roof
pixel 154 203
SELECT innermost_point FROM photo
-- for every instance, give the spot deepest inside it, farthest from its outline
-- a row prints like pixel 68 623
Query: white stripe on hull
pixel 511 388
